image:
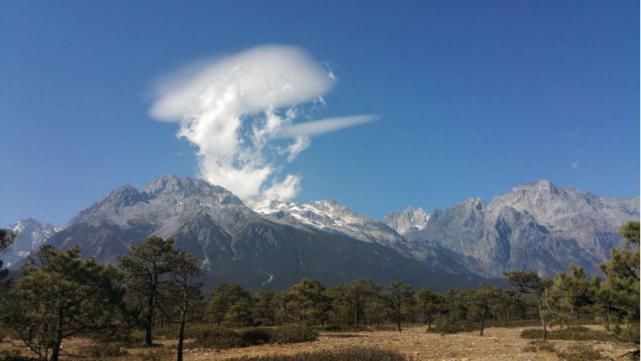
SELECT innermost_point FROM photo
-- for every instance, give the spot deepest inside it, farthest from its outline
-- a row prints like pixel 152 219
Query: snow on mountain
pixel 30 235
pixel 329 215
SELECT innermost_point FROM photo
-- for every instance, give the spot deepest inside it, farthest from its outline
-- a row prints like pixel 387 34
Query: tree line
pixel 60 295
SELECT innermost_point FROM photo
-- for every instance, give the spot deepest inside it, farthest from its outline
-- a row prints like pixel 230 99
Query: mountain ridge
pixel 534 226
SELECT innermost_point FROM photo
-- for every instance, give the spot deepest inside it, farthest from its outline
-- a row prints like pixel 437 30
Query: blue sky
pixel 473 97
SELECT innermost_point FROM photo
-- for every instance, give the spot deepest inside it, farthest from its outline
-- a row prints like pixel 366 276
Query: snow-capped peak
pixel 329 215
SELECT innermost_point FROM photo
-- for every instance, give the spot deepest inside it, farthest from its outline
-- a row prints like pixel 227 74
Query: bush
pixel 348 354
pixel 293 334
pixel 581 353
pixel 576 333
pixel 255 336
pixel 539 346
pixel 344 328
pixel 221 338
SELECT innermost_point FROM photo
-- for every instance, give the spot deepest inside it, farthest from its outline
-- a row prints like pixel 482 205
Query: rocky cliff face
pixel 408 220
pixel 538 226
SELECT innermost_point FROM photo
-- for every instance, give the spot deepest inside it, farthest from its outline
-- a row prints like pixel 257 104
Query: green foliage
pixel 571 295
pixel 292 333
pixel 222 338
pixel 430 304
pixel 576 333
pixel 230 304
pixel 619 293
pixel 6 238
pixel 264 311
pixel 219 338
pixel 401 299
pixel 60 296
pixel 304 302
pixel 160 278
pixel 529 283
pixel 347 354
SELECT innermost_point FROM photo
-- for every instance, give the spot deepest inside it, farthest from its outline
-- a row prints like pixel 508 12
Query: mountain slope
pixel 329 216
pixel 236 244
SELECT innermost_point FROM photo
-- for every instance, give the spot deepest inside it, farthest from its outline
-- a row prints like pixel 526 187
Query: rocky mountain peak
pixel 473 204
pixel 408 220
pixel 30 234
pixel 122 197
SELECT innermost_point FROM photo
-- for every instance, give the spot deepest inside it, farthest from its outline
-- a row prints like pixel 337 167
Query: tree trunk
pixel 55 353
pixel 181 336
pixel 545 331
pixel 483 321
pixel 150 321
pixel 398 316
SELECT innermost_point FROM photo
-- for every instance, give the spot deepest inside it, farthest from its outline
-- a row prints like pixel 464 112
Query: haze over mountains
pixel 539 227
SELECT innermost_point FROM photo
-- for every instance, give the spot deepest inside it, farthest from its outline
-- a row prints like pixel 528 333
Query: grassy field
pixel 499 343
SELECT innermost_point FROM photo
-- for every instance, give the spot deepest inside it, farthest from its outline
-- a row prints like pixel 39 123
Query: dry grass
pixel 416 344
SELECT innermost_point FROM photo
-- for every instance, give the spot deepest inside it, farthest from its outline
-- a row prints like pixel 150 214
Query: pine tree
pixel 264 311
pixel 529 283
pixel 186 292
pixel 399 294
pixel 60 296
pixel 430 305
pixel 148 271
pixel 230 304
pixel 305 302
pixel 619 293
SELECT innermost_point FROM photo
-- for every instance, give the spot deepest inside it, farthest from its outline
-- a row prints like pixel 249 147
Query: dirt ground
pixel 497 344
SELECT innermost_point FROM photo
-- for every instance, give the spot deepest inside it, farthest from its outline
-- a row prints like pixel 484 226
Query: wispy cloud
pixel 240 113
pixel 323 126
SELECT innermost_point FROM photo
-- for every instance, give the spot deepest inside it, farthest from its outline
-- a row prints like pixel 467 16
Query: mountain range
pixel 539 227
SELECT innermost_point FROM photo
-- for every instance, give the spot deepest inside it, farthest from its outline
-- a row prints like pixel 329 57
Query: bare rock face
pixel 539 227
pixel 408 220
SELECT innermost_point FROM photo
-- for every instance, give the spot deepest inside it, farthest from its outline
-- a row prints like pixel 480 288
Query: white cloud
pixel 286 189
pixel 323 126
pixel 300 144
pixel 239 112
